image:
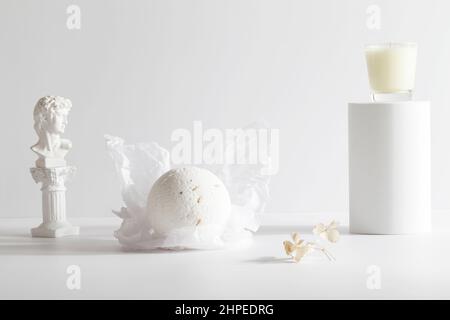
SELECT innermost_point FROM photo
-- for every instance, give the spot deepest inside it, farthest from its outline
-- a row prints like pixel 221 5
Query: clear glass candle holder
pixel 391 69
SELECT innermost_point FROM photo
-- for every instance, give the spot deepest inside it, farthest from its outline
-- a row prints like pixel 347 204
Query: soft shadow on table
pixel 288 229
pixel 59 246
pixel 25 232
pixel 93 240
pixel 69 246
pixel 270 260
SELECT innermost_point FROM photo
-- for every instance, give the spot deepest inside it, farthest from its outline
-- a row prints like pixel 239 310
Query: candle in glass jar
pixel 391 67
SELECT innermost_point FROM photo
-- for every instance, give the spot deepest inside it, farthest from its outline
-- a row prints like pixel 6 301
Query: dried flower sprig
pixel 300 248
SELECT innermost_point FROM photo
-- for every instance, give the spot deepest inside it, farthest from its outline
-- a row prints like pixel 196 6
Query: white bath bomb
pixel 185 197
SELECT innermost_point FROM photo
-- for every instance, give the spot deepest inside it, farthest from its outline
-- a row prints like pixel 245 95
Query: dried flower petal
pixel 289 247
pixel 301 252
pixel 333 224
pixel 319 228
pixel 333 235
pixel 330 232
pixel 296 238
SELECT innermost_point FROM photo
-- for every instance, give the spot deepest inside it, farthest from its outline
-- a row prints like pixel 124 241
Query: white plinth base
pixel 55 230
pixel 389 167
pixel 53 190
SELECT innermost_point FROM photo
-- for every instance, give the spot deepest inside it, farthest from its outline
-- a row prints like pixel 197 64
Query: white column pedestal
pixel 54 223
pixel 389 167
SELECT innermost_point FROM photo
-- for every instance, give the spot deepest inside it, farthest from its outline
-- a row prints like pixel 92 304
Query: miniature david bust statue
pixel 51 171
pixel 50 119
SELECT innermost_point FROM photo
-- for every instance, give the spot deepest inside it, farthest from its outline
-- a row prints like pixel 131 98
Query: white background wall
pixel 140 69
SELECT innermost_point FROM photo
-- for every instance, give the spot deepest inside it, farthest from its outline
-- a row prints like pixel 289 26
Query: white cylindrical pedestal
pixel 389 167
pixel 53 202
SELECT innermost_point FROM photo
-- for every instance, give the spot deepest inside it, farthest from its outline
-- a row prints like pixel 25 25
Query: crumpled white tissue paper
pixel 139 165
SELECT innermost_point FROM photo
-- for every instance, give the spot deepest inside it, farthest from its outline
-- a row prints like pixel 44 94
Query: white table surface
pixel 411 266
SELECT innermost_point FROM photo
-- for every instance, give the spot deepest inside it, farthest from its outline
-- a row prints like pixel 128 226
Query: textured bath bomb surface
pixel 187 196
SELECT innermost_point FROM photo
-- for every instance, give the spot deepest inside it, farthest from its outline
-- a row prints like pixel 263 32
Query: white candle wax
pixel 391 67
